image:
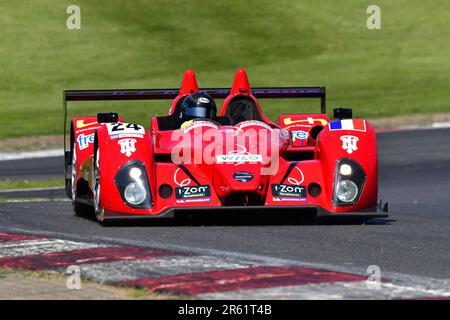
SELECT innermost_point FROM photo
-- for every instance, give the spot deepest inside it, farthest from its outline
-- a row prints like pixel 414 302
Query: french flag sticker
pixel 348 124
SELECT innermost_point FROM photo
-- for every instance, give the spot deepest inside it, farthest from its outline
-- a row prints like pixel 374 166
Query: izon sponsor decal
pixel 192 192
pixel 288 190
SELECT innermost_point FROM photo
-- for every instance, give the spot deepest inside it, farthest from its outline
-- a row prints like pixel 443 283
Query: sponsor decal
pixel 295 126
pixel 349 143
pixel 201 191
pixel 278 199
pixel 125 128
pixel 194 200
pixel 80 124
pixel 308 120
pixel 243 176
pixel 249 123
pixel 241 158
pixel 84 140
pixel 126 135
pixel 90 129
pixel 196 124
pixel 238 156
pixel 286 190
pixel 348 124
pixel 299 135
pixel 127 146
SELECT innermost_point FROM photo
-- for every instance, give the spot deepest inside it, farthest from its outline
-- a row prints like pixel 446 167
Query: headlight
pixel 345 169
pixel 135 193
pixel 135 173
pixel 346 191
pixel 348 183
pixel 132 182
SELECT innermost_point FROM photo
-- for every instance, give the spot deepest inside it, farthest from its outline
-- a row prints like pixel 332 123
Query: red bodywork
pixel 299 153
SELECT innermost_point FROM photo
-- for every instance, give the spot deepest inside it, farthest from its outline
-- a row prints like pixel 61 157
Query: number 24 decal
pixel 117 128
pixel 122 126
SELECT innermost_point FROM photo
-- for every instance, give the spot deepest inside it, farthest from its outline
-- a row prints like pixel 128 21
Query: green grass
pixel 60 278
pixel 9 184
pixel 403 68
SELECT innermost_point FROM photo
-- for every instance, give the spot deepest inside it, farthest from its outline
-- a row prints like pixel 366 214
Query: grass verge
pixel 401 69
pixel 9 184
pixel 30 285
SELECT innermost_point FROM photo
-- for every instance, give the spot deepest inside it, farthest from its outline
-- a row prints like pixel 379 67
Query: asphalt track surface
pixel 414 240
pixel 41 168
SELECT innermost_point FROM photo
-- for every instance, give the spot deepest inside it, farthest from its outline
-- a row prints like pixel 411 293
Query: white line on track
pixel 441 125
pixel 4 156
pixel 418 127
pixel 31 199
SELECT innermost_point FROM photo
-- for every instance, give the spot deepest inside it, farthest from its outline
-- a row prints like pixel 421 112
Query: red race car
pixel 235 158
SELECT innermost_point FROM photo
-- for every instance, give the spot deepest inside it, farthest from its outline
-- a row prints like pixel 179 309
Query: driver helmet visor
pixel 199 112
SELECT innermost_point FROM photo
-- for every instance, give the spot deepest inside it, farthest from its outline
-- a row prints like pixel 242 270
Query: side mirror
pixel 314 132
pixel 107 117
pixel 343 113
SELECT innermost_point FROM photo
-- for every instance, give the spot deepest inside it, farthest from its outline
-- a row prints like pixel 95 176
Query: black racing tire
pixel 98 211
pixel 83 210
pixel 80 209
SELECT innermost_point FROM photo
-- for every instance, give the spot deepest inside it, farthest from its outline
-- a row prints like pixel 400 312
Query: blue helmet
pixel 198 105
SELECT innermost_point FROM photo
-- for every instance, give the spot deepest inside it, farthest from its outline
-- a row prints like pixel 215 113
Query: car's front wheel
pixel 96 186
pixel 80 209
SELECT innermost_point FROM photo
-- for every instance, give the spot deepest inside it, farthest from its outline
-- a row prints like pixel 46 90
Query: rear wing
pixel 163 94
